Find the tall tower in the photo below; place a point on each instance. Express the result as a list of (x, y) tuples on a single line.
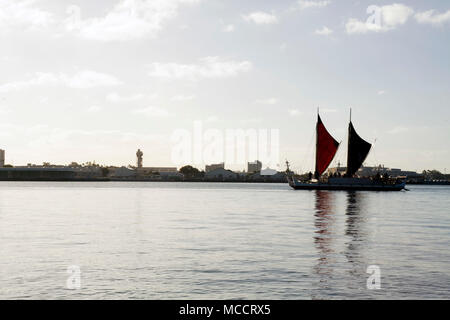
[(139, 155), (2, 158)]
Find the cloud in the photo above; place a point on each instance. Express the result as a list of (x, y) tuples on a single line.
[(381, 92), (81, 80), (128, 19), (395, 14), (183, 98), (430, 17), (313, 4), (90, 79), (324, 31), (114, 97), (228, 28), (294, 112), (152, 112), (22, 14), (385, 18), (260, 17), (267, 101), (209, 67)]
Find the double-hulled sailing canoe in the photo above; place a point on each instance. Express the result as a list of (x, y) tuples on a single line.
[(358, 149)]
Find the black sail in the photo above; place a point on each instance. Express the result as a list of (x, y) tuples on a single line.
[(358, 149)]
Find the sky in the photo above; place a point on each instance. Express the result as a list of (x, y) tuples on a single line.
[(96, 80)]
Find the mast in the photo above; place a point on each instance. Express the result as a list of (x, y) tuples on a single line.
[(316, 172)]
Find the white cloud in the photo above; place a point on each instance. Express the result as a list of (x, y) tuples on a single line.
[(430, 17), (313, 4), (381, 92), (355, 26), (183, 98), (90, 79), (152, 112), (294, 112), (395, 14), (209, 67), (22, 13), (128, 19), (324, 31), (267, 101), (81, 80), (390, 17), (228, 28), (114, 97), (260, 17)]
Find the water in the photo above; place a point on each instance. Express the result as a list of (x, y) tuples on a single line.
[(221, 241)]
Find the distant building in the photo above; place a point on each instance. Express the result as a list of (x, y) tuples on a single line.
[(221, 174), (253, 167), (139, 155), (264, 177), (212, 167), (122, 172), (158, 170), (2, 158), (372, 171), (37, 173)]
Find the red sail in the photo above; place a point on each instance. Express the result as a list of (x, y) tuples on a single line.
[(326, 148)]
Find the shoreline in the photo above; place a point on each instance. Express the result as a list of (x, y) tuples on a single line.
[(183, 181)]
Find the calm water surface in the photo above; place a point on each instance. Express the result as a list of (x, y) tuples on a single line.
[(221, 241)]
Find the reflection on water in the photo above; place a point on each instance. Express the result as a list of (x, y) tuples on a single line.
[(339, 250), (355, 231), (323, 237)]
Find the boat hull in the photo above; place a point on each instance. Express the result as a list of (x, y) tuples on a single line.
[(349, 184)]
